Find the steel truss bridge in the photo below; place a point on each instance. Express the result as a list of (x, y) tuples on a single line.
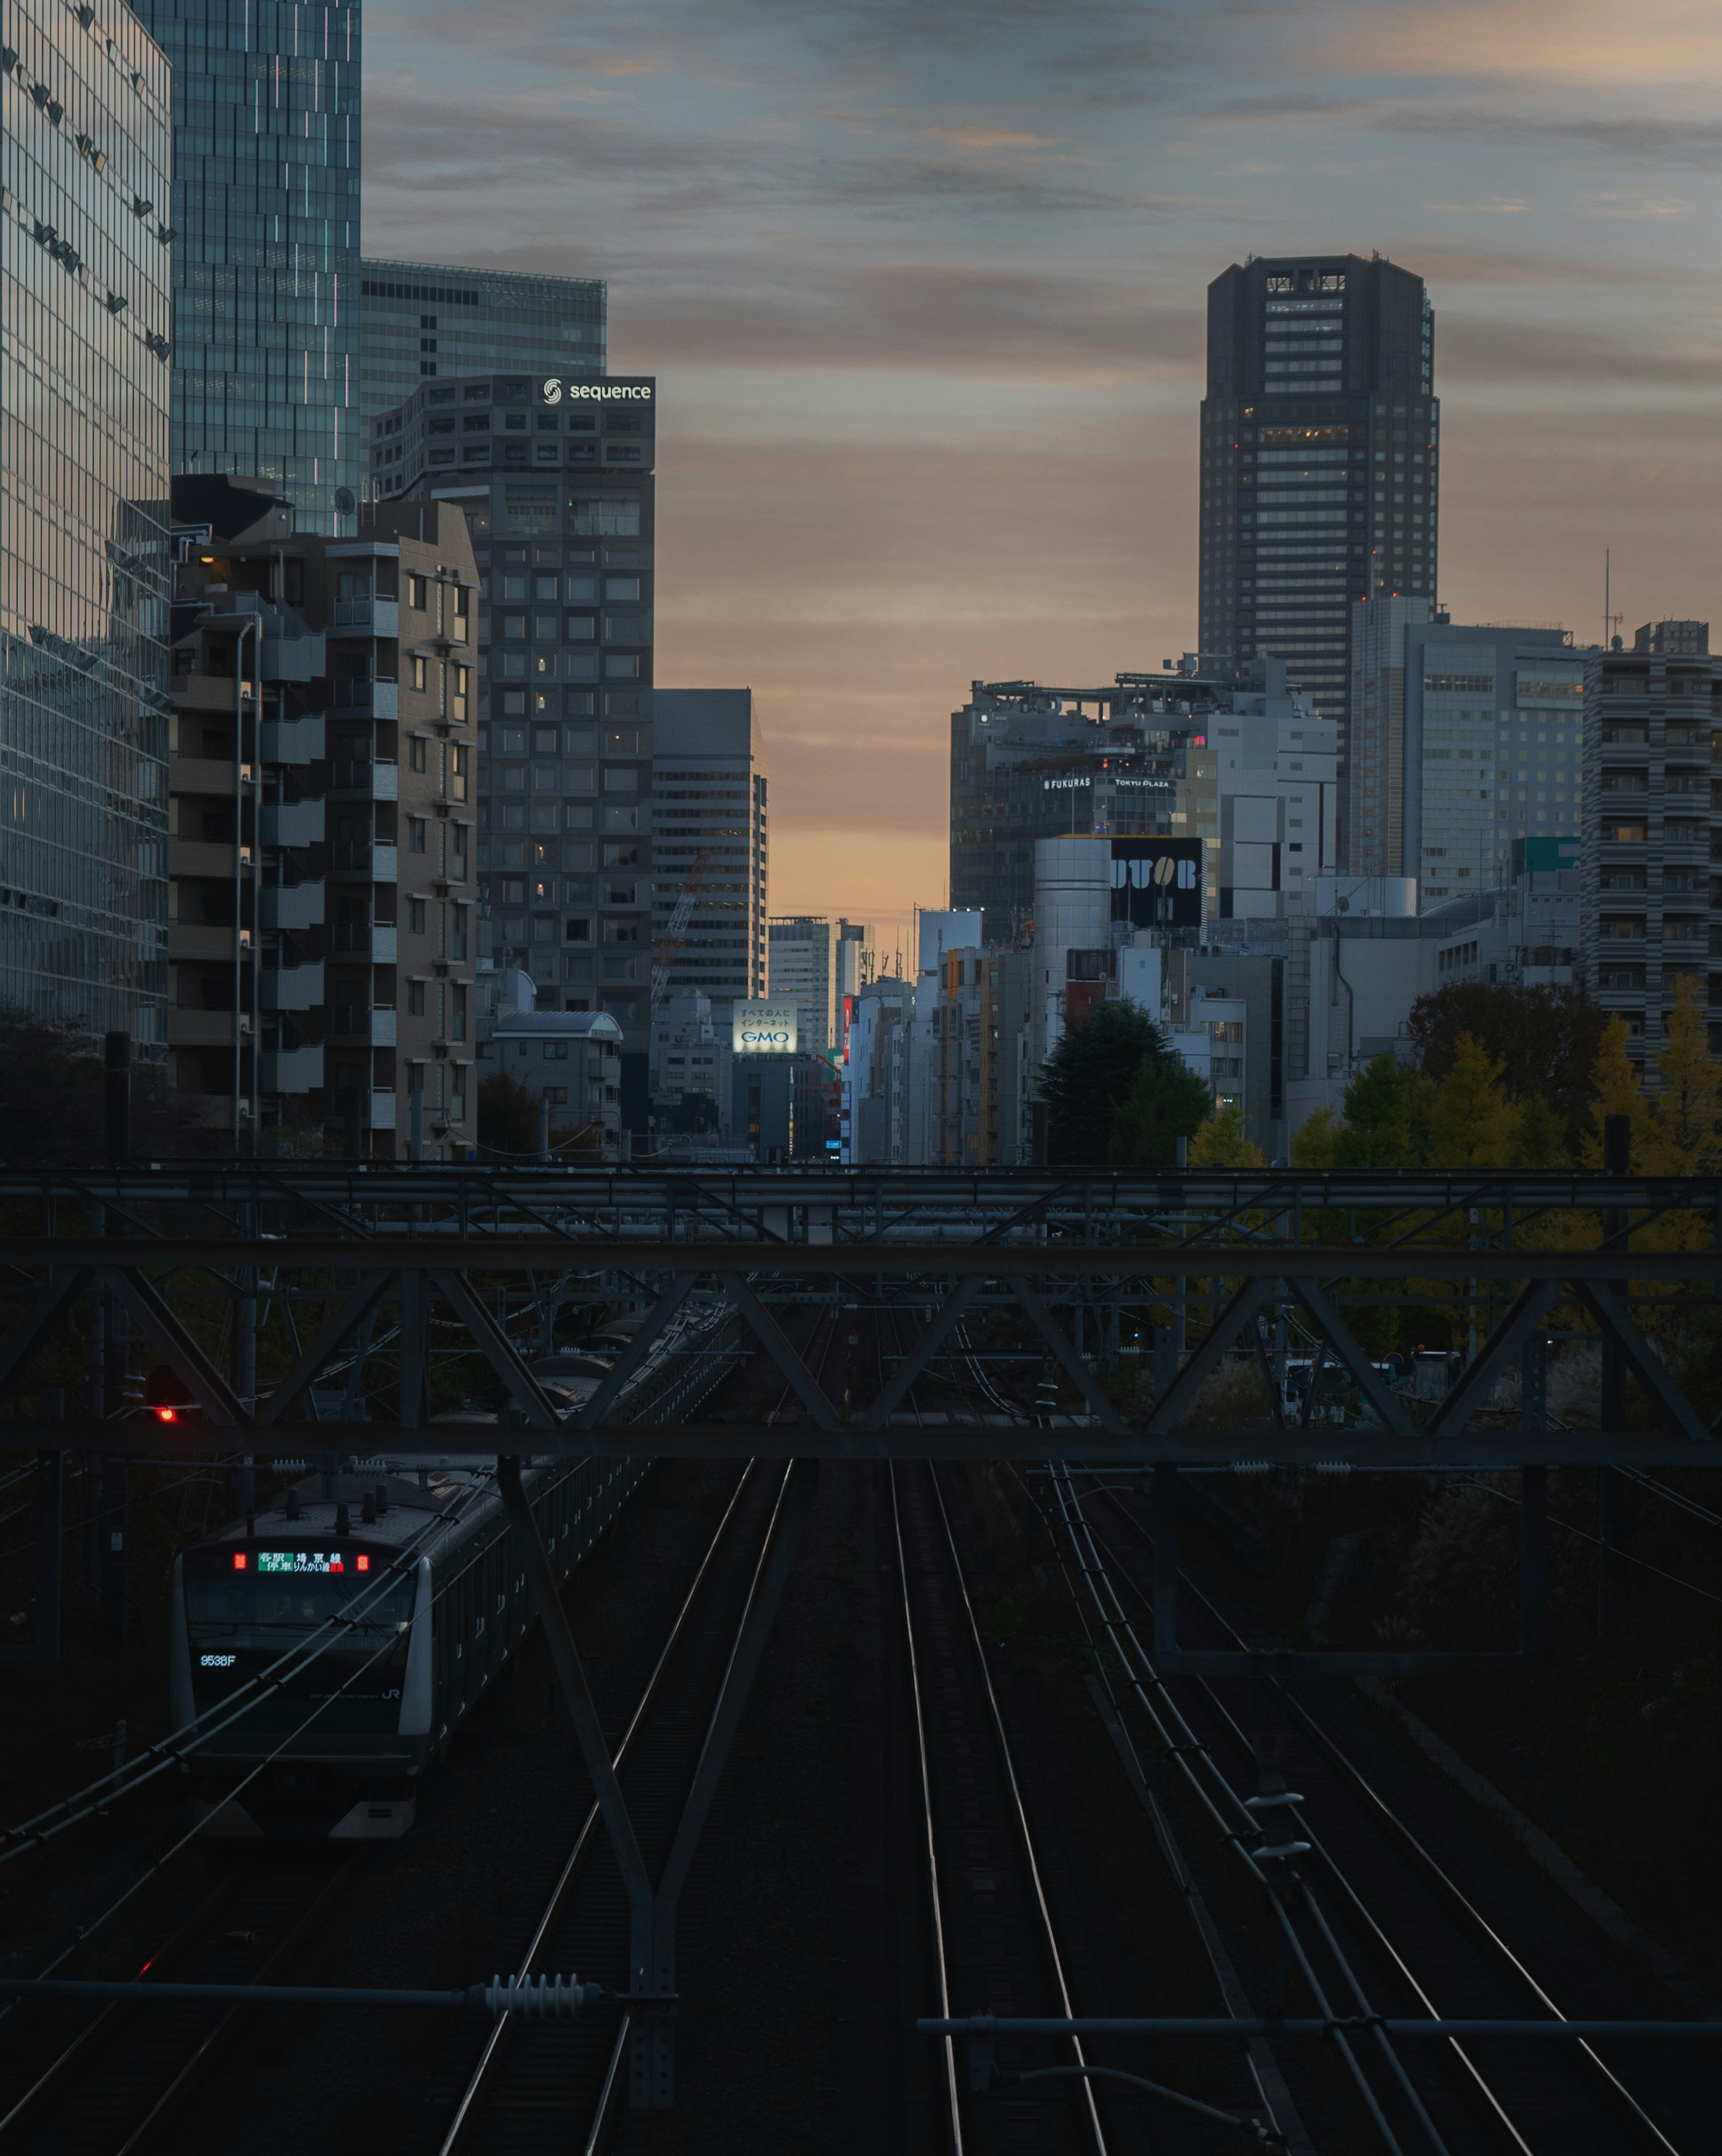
[(325, 1266), (254, 1283)]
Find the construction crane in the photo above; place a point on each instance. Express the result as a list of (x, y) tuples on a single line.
[(669, 942)]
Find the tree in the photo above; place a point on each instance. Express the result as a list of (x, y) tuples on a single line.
[(1472, 1123), (507, 1117), (51, 1101), (1616, 1092), (1545, 1039), (1316, 1140), (1683, 1141), (1379, 1129), (1166, 1101), (1087, 1076), (1221, 1143)]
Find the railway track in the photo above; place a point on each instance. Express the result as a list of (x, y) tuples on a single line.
[(105, 2084), (994, 1946), (1405, 1918), (540, 2087)]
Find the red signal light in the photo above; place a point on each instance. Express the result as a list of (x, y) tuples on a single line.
[(238, 1560), (167, 1414), (364, 1563)]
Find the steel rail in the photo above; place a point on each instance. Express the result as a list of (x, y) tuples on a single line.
[(1335, 1752), (1431, 1864), (464, 2109), (1018, 1810)]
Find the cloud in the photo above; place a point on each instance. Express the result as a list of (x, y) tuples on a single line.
[(432, 149), (1473, 348), (1596, 42), (984, 139)]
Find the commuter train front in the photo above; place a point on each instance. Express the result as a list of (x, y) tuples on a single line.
[(328, 1650)]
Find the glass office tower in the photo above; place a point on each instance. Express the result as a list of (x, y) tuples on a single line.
[(418, 320), (266, 245), (85, 369)]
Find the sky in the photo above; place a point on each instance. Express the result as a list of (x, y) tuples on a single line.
[(923, 288)]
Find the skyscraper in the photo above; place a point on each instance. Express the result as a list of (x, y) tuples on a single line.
[(265, 224), (709, 796), (85, 313), (554, 476), (418, 320), (1320, 435)]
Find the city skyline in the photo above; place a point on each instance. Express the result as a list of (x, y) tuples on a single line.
[(931, 319)]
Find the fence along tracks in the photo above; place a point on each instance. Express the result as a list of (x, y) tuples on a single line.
[(1533, 2098)]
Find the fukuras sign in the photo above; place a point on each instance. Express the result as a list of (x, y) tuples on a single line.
[(765, 1026)]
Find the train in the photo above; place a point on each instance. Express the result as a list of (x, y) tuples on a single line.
[(330, 1648)]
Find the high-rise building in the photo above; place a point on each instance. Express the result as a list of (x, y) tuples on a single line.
[(85, 316), (1465, 742), (1650, 895), (710, 788), (418, 320), (1319, 466), (265, 222), (804, 963), (323, 856), (1229, 762), (857, 959), (554, 474)]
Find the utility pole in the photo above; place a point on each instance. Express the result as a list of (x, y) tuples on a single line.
[(1610, 1492)]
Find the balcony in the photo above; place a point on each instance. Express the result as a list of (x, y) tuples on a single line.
[(293, 741), (360, 858), (359, 778), (293, 987), (293, 905), (380, 698), (384, 1115), (188, 1028), (293, 1070), (351, 1025), (201, 774), (294, 658), (374, 940), (377, 617), (197, 857), (292, 823), (192, 941)]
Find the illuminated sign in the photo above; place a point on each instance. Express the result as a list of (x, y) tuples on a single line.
[(1157, 883), (304, 1561), (1061, 785), (764, 1026), (848, 1005), (596, 393)]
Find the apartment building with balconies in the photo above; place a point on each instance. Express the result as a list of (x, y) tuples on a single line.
[(322, 850), (1650, 867)]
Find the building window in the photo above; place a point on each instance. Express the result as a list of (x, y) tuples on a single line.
[(556, 1051), (609, 515), (415, 747), (415, 916), (415, 1000), (621, 666), (415, 835)]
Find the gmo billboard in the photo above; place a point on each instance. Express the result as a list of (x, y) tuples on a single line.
[(764, 1026)]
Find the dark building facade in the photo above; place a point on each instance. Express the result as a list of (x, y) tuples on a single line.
[(1320, 461), (554, 476), (86, 151), (265, 237), (1650, 866), (418, 320)]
